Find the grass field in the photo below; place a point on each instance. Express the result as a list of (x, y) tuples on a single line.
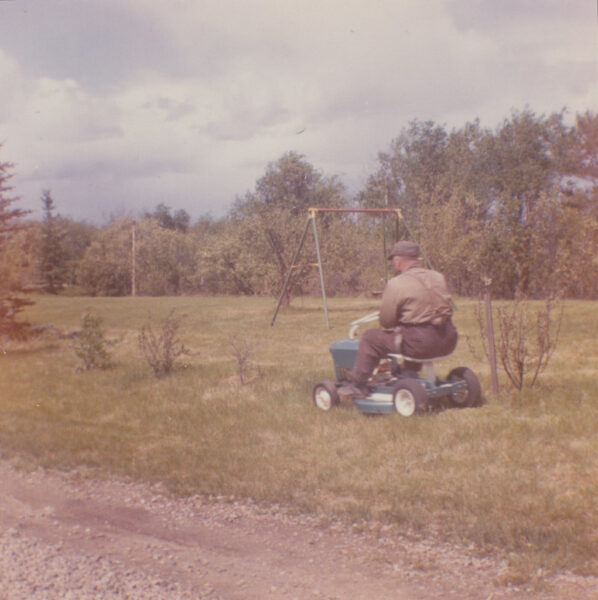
[(518, 476)]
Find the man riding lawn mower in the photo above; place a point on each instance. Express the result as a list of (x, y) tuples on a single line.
[(415, 315)]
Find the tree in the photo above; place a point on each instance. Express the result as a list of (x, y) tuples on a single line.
[(78, 236), (433, 177), (19, 259), (497, 204), (528, 156), (273, 217), (179, 221), (412, 171), (165, 260), (53, 255), (12, 301), (563, 247), (585, 146), (227, 263), (10, 217), (105, 269)]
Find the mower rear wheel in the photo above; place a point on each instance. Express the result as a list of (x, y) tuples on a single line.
[(409, 397), (470, 397), (325, 395)]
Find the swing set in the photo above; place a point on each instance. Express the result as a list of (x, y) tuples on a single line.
[(311, 218)]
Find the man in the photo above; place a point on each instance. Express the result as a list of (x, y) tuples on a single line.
[(416, 316)]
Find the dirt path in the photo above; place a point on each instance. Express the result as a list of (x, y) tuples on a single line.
[(67, 537)]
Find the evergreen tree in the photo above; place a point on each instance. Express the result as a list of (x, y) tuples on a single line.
[(53, 256), (12, 300)]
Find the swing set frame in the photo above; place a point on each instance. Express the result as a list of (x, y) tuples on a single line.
[(311, 218)]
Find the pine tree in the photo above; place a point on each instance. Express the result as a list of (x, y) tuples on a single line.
[(12, 300), (53, 256)]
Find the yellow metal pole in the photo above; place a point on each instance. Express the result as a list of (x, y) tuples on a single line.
[(313, 218)]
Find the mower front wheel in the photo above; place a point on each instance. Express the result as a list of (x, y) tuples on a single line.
[(409, 397), (325, 395)]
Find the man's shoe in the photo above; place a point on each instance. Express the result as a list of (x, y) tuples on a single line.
[(349, 388)]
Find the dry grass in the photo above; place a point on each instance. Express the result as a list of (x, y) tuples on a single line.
[(518, 476)]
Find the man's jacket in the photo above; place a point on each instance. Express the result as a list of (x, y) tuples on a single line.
[(415, 297)]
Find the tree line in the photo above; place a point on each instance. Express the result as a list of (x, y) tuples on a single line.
[(514, 209)]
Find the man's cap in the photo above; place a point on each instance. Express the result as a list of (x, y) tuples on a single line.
[(405, 249)]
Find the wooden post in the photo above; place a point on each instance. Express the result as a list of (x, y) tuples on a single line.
[(490, 336), (133, 260)]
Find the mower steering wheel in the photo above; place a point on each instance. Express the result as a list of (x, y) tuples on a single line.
[(367, 319)]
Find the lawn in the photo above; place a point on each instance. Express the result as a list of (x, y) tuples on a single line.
[(518, 476)]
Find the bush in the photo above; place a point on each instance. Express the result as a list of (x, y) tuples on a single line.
[(91, 346), (243, 350), (528, 334), (162, 349)]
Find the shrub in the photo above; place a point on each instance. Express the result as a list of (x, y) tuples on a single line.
[(528, 334), (163, 348), (91, 346), (243, 350)]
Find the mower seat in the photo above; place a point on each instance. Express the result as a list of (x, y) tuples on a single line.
[(427, 362)]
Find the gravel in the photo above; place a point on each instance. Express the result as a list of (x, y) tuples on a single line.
[(68, 537), (34, 570)]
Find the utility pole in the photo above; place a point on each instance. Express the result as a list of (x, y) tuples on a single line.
[(134, 259)]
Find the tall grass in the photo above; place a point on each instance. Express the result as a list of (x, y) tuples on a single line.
[(518, 476)]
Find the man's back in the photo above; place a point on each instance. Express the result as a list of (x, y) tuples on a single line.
[(415, 296)]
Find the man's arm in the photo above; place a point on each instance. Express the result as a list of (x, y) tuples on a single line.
[(389, 306)]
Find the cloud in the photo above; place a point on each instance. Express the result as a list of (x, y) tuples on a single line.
[(10, 84), (127, 103)]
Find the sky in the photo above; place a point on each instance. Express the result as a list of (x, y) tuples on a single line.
[(116, 106)]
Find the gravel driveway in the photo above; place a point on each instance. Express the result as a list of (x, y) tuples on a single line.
[(69, 537)]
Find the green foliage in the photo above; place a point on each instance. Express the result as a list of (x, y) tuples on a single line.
[(272, 219), (10, 217), (77, 237), (10, 307), (91, 345), (503, 205), (582, 152), (12, 301), (177, 221), (19, 259), (105, 269), (563, 245), (162, 348), (165, 260), (517, 205), (227, 262), (52, 253)]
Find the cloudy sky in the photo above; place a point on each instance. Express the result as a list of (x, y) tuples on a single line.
[(118, 105)]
